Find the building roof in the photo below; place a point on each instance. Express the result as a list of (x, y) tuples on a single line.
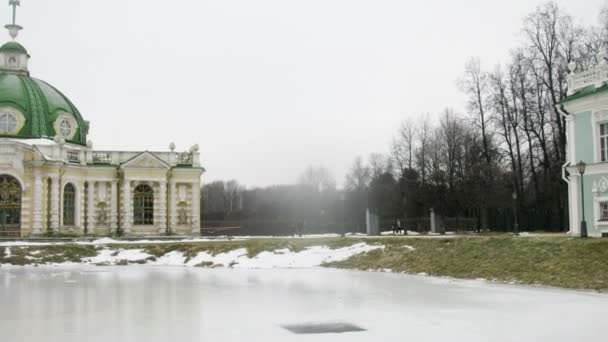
[(13, 47), (38, 101), (584, 92)]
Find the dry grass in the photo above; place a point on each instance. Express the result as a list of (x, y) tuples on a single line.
[(562, 262), (37, 255)]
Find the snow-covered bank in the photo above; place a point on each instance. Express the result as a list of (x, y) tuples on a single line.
[(311, 256), (284, 258)]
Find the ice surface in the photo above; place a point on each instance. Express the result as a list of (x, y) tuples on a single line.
[(141, 303)]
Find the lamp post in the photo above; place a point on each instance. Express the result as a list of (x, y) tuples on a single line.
[(516, 222), (581, 169), (404, 212)]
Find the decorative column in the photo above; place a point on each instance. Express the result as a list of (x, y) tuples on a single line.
[(80, 210), (162, 208), (55, 197), (196, 226), (172, 206), (113, 206), (126, 206), (91, 208), (37, 221)]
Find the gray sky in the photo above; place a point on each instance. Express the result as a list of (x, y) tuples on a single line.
[(265, 87)]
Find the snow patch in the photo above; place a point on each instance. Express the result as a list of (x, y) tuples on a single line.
[(282, 258), (173, 258), (109, 256)]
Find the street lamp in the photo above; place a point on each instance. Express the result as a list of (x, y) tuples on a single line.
[(404, 212), (581, 169), (516, 224), (343, 201)]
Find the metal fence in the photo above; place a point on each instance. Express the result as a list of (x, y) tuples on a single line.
[(279, 227), (496, 220)]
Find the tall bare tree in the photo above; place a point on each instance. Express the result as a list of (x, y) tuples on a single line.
[(474, 83)]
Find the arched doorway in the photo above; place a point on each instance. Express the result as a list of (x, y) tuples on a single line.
[(10, 206)]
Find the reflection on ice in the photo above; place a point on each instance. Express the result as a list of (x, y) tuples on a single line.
[(155, 303)]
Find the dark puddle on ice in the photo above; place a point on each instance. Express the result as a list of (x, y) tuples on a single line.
[(322, 328)]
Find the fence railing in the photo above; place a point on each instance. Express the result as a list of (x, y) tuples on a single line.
[(184, 158), (73, 157), (102, 157), (496, 220), (595, 76)]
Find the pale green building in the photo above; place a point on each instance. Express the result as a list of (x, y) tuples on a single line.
[(585, 110)]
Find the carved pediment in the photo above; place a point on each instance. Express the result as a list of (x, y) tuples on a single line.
[(146, 160)]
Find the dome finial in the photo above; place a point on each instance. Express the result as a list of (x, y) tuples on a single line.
[(13, 29)]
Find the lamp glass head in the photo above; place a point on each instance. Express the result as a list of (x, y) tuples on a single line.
[(581, 167)]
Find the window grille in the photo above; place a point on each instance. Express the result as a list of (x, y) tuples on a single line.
[(10, 206), (603, 211), (143, 205), (69, 205), (8, 123), (65, 128)]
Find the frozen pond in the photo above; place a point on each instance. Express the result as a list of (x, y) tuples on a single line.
[(146, 303)]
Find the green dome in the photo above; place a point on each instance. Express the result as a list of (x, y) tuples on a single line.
[(41, 105), (13, 47)]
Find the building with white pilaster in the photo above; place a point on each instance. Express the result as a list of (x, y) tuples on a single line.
[(585, 111), (53, 182)]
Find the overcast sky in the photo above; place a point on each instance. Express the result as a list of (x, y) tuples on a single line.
[(265, 87)]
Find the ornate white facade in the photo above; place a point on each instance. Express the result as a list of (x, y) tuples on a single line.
[(104, 183), (53, 183)]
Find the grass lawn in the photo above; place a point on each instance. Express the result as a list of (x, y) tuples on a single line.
[(554, 261)]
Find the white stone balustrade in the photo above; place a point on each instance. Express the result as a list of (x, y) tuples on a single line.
[(595, 76), (75, 154)]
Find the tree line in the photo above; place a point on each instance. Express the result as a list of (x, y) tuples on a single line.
[(504, 153)]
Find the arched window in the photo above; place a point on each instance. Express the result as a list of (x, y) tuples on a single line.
[(143, 205), (69, 205), (10, 206)]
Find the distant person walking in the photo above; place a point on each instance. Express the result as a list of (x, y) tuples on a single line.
[(399, 228)]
